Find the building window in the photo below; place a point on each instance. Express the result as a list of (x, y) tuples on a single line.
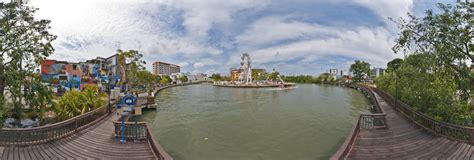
[(74, 67)]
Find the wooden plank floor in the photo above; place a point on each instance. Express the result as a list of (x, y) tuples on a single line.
[(96, 142), (404, 140)]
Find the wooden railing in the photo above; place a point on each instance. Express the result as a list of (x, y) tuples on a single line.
[(137, 131), (375, 120), (345, 148), (44, 134), (372, 121), (452, 131)]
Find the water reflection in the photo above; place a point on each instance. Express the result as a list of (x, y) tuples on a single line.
[(205, 122)]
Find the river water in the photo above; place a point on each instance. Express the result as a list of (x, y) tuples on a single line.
[(203, 122)]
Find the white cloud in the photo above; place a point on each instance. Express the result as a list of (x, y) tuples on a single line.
[(178, 31), (200, 16), (183, 64), (277, 28), (88, 29), (198, 65), (372, 44), (389, 9)]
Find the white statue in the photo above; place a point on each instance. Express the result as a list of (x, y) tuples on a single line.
[(246, 69)]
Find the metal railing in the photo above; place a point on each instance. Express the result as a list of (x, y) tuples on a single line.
[(448, 130), (48, 133), (140, 131)]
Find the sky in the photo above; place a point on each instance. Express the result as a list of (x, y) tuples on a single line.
[(291, 36)]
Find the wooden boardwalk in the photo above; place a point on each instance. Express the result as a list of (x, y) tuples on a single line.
[(404, 140), (95, 142)]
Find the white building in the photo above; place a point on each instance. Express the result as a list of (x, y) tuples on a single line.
[(339, 73), (376, 72), (163, 68)]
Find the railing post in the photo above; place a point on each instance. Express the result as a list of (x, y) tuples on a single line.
[(471, 136), (75, 125)]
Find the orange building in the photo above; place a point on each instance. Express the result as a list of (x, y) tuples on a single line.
[(234, 74)]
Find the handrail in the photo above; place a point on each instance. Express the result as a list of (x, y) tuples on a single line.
[(347, 145), (444, 129), (140, 131), (48, 133), (160, 153), (375, 120)]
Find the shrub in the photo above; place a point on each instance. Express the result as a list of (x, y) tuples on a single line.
[(74, 103)]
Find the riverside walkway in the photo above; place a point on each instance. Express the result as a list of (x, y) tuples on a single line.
[(95, 142), (403, 139)]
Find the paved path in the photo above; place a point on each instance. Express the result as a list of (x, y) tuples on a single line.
[(95, 142), (404, 140)]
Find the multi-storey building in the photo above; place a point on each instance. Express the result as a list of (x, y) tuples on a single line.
[(234, 74), (163, 68), (376, 72), (62, 75)]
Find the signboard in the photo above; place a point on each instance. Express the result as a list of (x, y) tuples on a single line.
[(129, 100)]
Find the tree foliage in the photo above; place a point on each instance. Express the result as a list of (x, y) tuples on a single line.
[(273, 76), (447, 35), (74, 103), (216, 77), (165, 79), (183, 79), (360, 70), (24, 44), (394, 64), (40, 97), (426, 87), (301, 79), (131, 63)]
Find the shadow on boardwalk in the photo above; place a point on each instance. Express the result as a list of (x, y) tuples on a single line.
[(95, 142), (404, 140)]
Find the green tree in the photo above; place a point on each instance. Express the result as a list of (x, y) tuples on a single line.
[(131, 63), (165, 79), (259, 75), (360, 70), (24, 44), (216, 77), (147, 80), (274, 76), (448, 35), (40, 98), (426, 87), (326, 78), (394, 64), (183, 79)]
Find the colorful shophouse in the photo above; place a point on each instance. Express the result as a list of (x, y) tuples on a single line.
[(63, 76)]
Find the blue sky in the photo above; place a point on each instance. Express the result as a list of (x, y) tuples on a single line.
[(294, 37)]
